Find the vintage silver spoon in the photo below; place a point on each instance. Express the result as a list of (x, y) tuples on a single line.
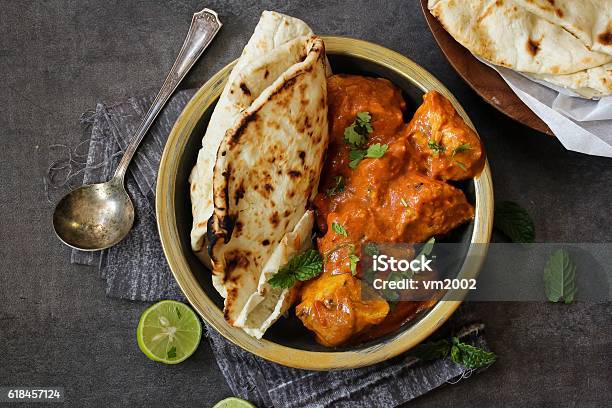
[(98, 216)]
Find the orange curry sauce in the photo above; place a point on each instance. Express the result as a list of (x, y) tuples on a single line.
[(400, 197)]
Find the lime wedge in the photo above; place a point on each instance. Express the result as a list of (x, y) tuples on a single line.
[(233, 402), (168, 332)]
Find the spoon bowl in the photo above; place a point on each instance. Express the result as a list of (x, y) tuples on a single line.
[(98, 216), (95, 216)]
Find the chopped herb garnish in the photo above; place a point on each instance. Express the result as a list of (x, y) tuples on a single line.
[(364, 120), (461, 148), (560, 277), (460, 165), (436, 147), (339, 229), (404, 202), (301, 267), (172, 352), (338, 186), (355, 157), (356, 135), (376, 151)]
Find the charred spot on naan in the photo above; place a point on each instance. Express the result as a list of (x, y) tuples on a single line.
[(533, 47), (605, 38)]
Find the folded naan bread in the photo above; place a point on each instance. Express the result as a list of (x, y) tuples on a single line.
[(259, 167), (266, 173), (590, 83), (506, 34), (269, 39)]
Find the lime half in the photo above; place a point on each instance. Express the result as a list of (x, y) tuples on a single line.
[(168, 332), (233, 402)]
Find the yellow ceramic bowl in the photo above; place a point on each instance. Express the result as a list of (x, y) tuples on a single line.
[(287, 342)]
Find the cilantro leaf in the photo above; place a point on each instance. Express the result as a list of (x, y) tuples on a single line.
[(353, 260), (353, 137), (376, 151), (560, 277), (337, 188), (355, 157), (356, 134), (469, 356), (364, 119), (511, 219), (436, 147), (339, 229), (301, 267), (172, 352)]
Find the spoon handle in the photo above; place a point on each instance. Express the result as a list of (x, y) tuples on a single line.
[(204, 26)]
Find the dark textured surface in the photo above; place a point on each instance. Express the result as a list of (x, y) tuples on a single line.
[(136, 269), (58, 58)]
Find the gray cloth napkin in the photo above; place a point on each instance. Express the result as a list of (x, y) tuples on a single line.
[(136, 269)]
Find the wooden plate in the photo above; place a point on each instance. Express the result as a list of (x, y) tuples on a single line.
[(484, 80)]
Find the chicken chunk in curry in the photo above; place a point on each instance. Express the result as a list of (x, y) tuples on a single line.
[(399, 196)]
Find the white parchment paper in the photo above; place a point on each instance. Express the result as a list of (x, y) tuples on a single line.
[(581, 125)]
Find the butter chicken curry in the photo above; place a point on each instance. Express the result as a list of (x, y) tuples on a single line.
[(384, 180)]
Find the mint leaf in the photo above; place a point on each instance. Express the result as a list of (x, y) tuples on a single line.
[(511, 219), (283, 279), (301, 267), (469, 356), (376, 151), (337, 188), (560, 277), (432, 350), (339, 229), (172, 352), (461, 353)]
